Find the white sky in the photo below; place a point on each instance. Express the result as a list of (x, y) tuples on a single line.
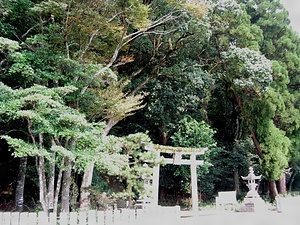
[(293, 6)]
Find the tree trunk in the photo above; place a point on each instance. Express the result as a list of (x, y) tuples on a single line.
[(84, 201), (163, 136), (42, 182), (281, 184), (272, 189), (40, 161), (51, 179), (256, 144), (236, 179), (58, 185), (19, 196), (65, 190), (85, 184), (291, 181), (66, 181)]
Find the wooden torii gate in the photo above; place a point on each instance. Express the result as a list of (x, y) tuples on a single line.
[(176, 159)]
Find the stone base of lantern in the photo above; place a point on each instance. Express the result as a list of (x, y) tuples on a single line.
[(253, 205)]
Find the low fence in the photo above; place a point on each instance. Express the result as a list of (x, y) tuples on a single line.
[(92, 217)]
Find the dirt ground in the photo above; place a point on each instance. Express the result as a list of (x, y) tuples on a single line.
[(289, 215)]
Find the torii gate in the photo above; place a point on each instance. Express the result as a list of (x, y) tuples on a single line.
[(177, 153)]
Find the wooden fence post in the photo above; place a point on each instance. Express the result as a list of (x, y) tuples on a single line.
[(117, 217), (43, 218), (73, 218), (6, 218), (132, 214), (52, 219), (64, 218), (32, 218), (24, 218), (100, 218), (92, 217), (82, 217), (14, 220), (108, 218)]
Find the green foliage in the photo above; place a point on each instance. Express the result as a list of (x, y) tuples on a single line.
[(250, 69), (138, 14), (275, 148), (129, 163), (186, 86), (113, 103), (8, 46), (21, 148), (12, 14), (46, 114), (280, 44), (192, 133), (232, 25)]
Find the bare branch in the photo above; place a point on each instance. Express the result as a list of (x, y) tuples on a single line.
[(138, 71), (141, 85), (111, 19), (89, 43), (30, 29), (67, 50), (3, 61)]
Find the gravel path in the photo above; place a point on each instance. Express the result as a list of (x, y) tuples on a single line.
[(290, 215)]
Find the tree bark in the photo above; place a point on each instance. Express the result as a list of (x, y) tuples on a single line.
[(19, 195), (290, 183), (66, 181), (51, 180), (256, 144), (65, 189), (58, 185), (40, 161), (236, 179), (164, 138), (281, 184), (86, 183), (42, 182), (273, 189)]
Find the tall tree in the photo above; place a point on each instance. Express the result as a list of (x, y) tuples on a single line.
[(280, 44)]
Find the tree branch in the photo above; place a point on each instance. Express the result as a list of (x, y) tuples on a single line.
[(126, 39), (88, 44)]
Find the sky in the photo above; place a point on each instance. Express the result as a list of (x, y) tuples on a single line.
[(293, 6)]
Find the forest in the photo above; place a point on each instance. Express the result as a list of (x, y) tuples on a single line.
[(85, 85)]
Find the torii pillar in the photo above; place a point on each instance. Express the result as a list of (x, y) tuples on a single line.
[(194, 182), (155, 183), (177, 160)]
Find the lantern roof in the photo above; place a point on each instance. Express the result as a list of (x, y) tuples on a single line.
[(251, 175)]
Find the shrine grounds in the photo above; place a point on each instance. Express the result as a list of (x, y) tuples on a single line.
[(289, 215)]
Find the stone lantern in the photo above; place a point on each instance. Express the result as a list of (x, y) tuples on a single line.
[(252, 201), (252, 185)]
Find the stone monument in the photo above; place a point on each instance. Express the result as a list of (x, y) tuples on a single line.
[(252, 202)]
